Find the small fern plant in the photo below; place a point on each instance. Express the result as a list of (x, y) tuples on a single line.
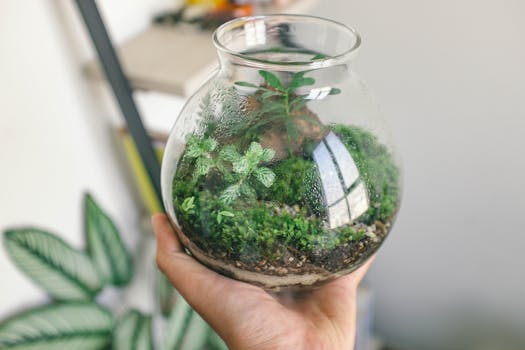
[(237, 170)]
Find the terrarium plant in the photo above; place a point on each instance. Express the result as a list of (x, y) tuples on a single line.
[(274, 179)]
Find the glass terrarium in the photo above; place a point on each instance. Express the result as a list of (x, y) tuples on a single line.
[(279, 171)]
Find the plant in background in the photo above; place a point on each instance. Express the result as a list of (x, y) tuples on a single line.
[(73, 278)]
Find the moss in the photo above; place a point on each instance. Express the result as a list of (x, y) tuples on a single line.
[(251, 229), (377, 168), (290, 185)]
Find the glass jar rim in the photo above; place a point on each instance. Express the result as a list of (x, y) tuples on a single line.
[(315, 63)]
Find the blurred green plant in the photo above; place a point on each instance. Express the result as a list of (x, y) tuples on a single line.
[(73, 278)]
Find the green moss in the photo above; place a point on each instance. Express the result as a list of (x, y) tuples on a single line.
[(377, 168), (289, 187), (263, 226)]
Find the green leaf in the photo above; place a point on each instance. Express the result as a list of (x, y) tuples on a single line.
[(271, 79), (229, 153), (265, 176), (255, 150), (215, 342), (209, 144), (203, 166), (247, 191), (334, 91), (267, 155), (319, 56), (230, 193), (105, 246), (222, 214), (246, 84), (300, 81), (193, 149), (242, 166), (268, 94), (133, 332), (195, 334), (188, 204), (177, 324), (67, 326), (65, 273)]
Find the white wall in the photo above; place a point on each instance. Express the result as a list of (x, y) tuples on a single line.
[(450, 78), (55, 133)]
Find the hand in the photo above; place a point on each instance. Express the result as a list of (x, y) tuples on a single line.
[(249, 318)]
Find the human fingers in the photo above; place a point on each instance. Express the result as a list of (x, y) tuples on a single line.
[(216, 298)]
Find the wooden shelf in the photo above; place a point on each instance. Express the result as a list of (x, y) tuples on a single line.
[(174, 60)]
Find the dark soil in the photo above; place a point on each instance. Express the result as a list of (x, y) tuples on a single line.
[(295, 262)]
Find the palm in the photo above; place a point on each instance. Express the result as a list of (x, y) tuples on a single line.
[(247, 317)]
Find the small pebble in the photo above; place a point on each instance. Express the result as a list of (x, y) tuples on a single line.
[(281, 271), (290, 259)]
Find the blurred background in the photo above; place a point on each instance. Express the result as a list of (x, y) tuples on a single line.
[(449, 76)]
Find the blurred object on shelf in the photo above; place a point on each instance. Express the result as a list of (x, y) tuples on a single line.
[(209, 14), (176, 59)]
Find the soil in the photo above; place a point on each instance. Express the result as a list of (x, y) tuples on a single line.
[(338, 259)]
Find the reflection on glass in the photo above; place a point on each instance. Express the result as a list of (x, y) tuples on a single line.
[(344, 195)]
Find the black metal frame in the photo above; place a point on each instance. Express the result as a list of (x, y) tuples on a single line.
[(121, 89)]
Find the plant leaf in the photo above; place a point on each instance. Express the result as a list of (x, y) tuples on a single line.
[(230, 193), (215, 342), (247, 191), (268, 94), (193, 149), (319, 56), (271, 79), (246, 84), (105, 246), (267, 155), (78, 326), (255, 150), (209, 144), (299, 81), (181, 313), (229, 153), (265, 176), (195, 333), (203, 166), (242, 166), (133, 332), (334, 91), (65, 273)]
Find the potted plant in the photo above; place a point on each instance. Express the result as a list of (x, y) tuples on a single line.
[(278, 171)]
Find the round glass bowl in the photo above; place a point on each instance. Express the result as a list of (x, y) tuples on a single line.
[(279, 171)]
